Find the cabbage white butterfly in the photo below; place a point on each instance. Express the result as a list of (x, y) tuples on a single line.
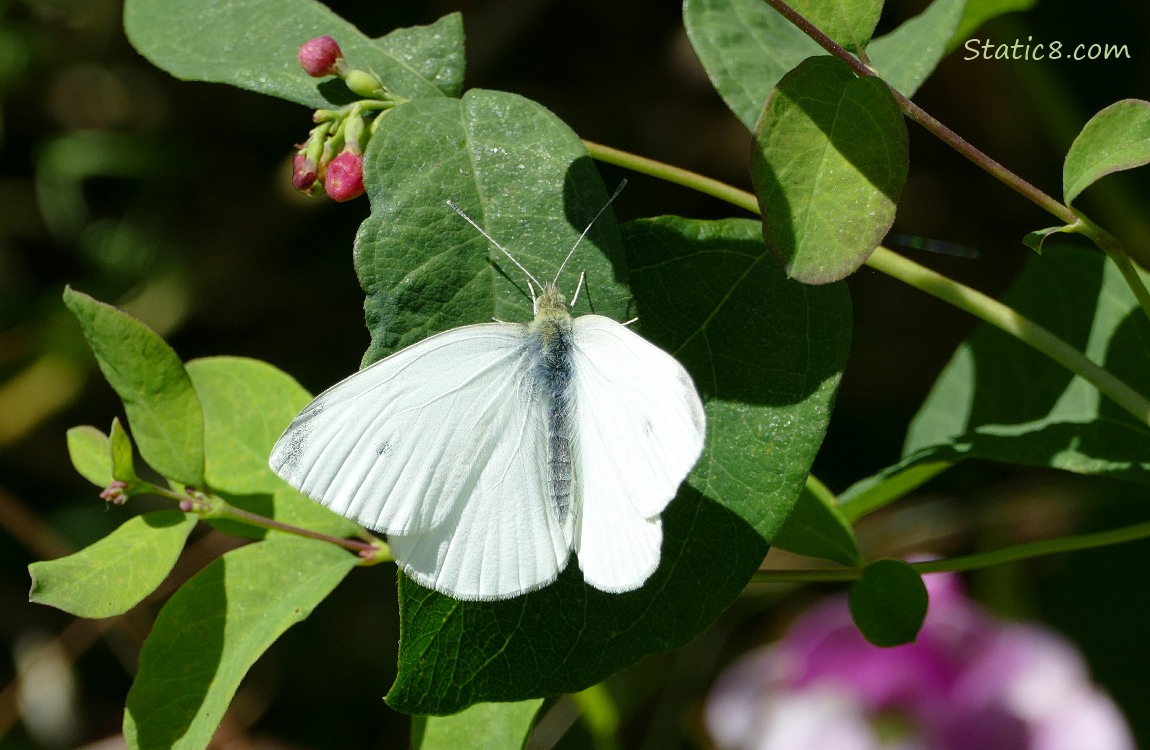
[(489, 453)]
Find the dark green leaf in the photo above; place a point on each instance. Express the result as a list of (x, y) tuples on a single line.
[(115, 574), (999, 399), (816, 528), (213, 629), (247, 405), (1115, 139), (158, 397), (767, 354), (91, 454), (253, 44), (492, 726), (907, 56), (828, 162), (889, 603)]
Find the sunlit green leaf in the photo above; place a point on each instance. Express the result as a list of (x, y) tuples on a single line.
[(213, 629), (849, 22), (1115, 139), (829, 145), (91, 454), (492, 726), (163, 412), (253, 44), (907, 56), (116, 573)]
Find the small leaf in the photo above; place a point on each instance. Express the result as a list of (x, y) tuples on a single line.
[(116, 573), (158, 397), (91, 454), (213, 629), (123, 467), (1115, 139), (1036, 239), (889, 603), (828, 162), (907, 56), (252, 44), (492, 726), (816, 528)]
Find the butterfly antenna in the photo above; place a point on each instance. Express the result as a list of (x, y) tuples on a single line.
[(493, 241), (590, 224)]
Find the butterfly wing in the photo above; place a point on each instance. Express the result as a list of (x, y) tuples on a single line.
[(439, 446), (639, 427)]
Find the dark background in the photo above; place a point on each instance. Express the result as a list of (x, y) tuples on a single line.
[(174, 198)]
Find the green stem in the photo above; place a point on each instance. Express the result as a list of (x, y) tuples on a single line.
[(372, 550), (600, 714), (974, 562), (946, 289)]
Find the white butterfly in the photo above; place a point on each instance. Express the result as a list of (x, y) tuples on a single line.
[(488, 453)]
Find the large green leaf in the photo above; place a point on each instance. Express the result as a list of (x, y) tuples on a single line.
[(767, 354), (492, 726), (746, 47), (158, 396), (247, 405), (214, 628), (115, 574), (828, 161), (252, 44), (999, 399), (1116, 138)]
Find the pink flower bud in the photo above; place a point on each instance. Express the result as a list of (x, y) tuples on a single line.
[(321, 57), (344, 178), (304, 172)]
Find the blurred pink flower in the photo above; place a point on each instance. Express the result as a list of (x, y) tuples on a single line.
[(967, 682)]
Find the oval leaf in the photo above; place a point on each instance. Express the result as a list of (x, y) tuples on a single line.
[(213, 629), (767, 354), (889, 603), (1115, 139), (115, 574), (828, 162), (492, 726), (91, 454), (253, 44), (158, 396)]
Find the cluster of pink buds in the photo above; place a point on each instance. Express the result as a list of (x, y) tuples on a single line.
[(332, 156)]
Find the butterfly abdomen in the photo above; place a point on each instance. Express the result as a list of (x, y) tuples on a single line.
[(552, 334)]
